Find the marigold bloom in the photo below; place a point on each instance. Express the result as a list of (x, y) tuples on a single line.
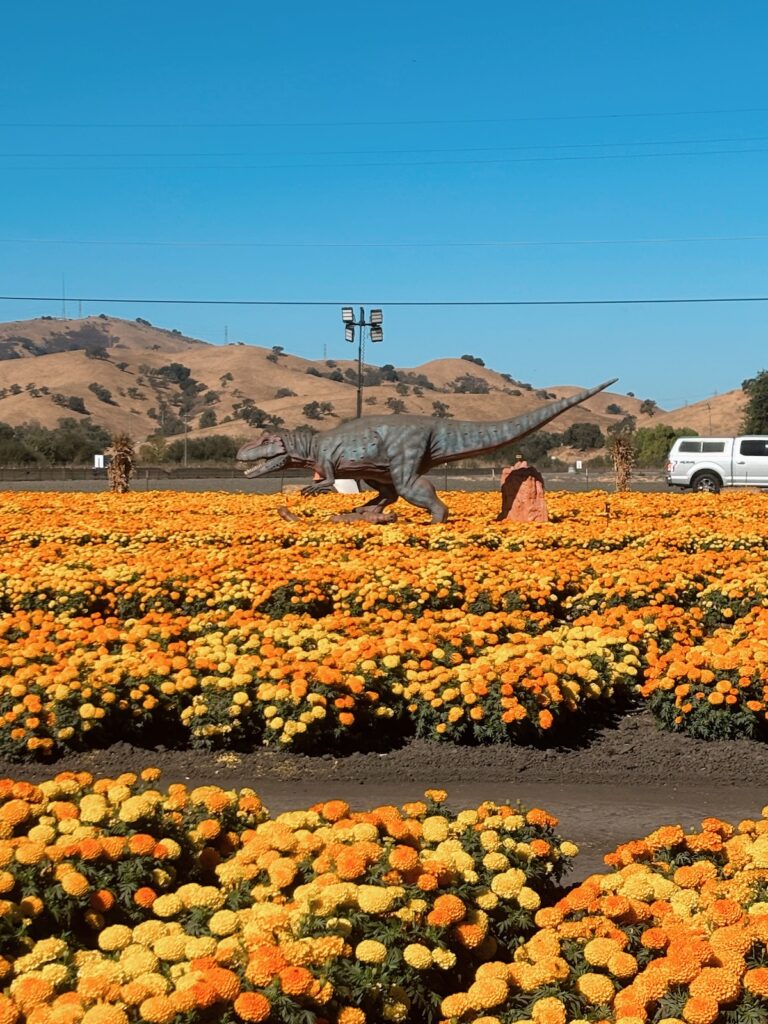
[(252, 1006)]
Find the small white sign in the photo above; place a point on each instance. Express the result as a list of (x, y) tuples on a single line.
[(98, 462), (578, 463)]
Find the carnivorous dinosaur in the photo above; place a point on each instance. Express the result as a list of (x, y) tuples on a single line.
[(393, 454)]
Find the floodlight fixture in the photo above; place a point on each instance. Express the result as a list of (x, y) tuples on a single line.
[(375, 333)]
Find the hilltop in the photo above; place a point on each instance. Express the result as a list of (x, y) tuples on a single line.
[(131, 376)]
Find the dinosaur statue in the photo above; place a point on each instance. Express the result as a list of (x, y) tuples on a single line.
[(393, 454)]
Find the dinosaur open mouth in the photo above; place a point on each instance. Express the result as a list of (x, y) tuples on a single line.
[(262, 466)]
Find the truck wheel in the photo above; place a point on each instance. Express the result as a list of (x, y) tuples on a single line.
[(708, 482)]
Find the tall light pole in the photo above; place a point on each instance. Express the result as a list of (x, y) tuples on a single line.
[(374, 325)]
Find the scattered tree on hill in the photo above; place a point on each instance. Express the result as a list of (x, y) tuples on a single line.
[(73, 402), (207, 418), (441, 411), (614, 410), (474, 359), (471, 385), (626, 425), (122, 456), (285, 393), (254, 416), (395, 405), (317, 410), (102, 393), (648, 407), (756, 408)]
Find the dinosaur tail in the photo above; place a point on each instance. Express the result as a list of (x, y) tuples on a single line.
[(488, 436)]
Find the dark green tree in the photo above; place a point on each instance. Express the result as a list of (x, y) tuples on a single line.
[(756, 408), (652, 444), (583, 436)]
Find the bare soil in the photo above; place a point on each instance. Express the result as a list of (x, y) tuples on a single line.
[(622, 782)]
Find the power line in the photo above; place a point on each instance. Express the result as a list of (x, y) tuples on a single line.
[(489, 243), (417, 151), (380, 123), (379, 302), (98, 168)]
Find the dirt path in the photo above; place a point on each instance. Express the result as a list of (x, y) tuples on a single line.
[(627, 780)]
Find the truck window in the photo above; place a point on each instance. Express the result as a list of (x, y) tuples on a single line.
[(753, 446), (713, 446), (690, 446)]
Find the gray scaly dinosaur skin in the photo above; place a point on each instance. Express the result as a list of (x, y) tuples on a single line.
[(394, 453)]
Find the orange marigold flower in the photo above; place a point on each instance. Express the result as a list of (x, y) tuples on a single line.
[(144, 897), (295, 981), (334, 810), (103, 1013), (725, 911), (74, 884), (448, 909), (252, 1006), (350, 1015), (701, 1010), (157, 1010), (101, 900), (756, 982)]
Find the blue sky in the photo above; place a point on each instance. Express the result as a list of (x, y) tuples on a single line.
[(290, 146)]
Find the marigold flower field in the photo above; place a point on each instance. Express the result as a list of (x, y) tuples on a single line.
[(207, 621), (204, 620), (123, 900)]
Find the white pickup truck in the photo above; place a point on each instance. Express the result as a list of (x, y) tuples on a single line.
[(709, 463)]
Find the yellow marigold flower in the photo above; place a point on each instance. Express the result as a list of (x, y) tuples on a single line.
[(596, 988), (528, 898), (508, 884), (418, 956), (369, 951), (117, 936), (487, 993), (434, 829), (495, 862), (374, 899), (167, 905), (445, 959), (548, 1011), (437, 796), (74, 884), (103, 1013), (223, 922), (599, 951), (157, 1010), (568, 849), (147, 932)]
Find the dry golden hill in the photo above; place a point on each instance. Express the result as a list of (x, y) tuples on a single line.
[(131, 376)]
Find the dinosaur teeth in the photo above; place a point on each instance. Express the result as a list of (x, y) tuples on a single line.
[(256, 468)]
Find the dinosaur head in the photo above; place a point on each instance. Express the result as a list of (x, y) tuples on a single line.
[(268, 452)]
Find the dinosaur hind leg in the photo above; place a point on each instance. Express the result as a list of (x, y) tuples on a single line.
[(420, 492), (385, 495)]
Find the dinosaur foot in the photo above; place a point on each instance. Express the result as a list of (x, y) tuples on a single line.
[(365, 515)]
